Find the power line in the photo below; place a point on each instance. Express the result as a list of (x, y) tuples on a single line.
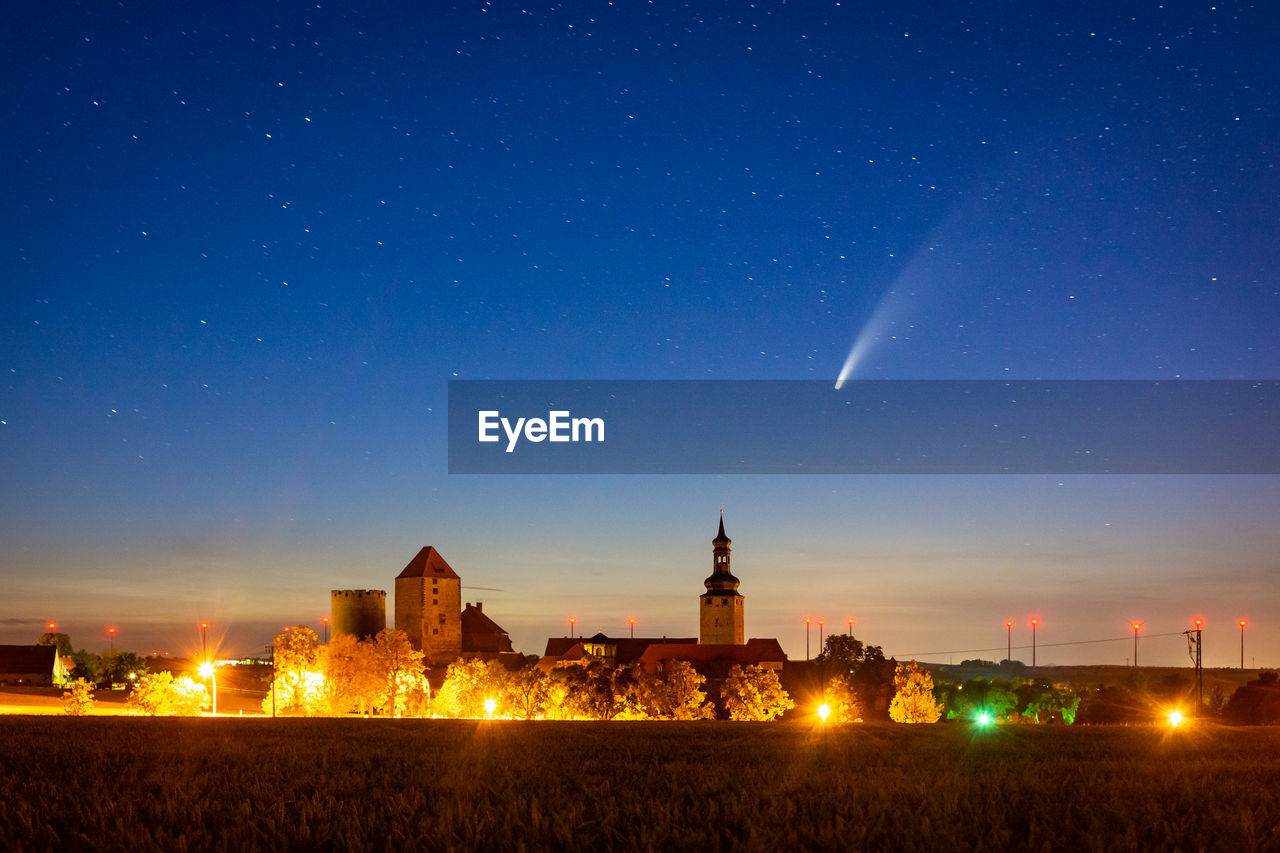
[(1037, 645)]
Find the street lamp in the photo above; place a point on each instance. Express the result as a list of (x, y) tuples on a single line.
[(632, 622), (1135, 626), (822, 635), (204, 640), (325, 620), (209, 671), (111, 635), (1008, 638), (851, 621), (52, 625), (1034, 623), (572, 620), (807, 620), (1242, 624)]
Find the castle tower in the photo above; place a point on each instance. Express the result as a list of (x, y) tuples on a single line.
[(721, 606), (361, 613), (429, 605)]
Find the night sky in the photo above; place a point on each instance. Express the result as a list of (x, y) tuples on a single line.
[(244, 251)]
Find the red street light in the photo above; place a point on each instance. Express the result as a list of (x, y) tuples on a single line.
[(807, 620), (1135, 626), (1034, 623), (851, 621), (572, 620), (325, 620), (632, 621), (1008, 638), (52, 625), (1242, 624)]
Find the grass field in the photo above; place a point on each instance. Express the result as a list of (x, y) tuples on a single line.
[(103, 783)]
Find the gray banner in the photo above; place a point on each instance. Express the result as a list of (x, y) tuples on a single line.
[(866, 427)]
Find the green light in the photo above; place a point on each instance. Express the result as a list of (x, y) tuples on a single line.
[(984, 719)]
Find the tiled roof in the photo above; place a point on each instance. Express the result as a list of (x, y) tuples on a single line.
[(428, 564)]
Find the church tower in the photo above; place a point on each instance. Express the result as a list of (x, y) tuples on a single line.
[(721, 606)]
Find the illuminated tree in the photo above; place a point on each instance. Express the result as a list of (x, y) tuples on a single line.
[(678, 694), (842, 698), (298, 687), (79, 700), (914, 701), (601, 692), (467, 684), (399, 665), (754, 694), (159, 694), (351, 677)]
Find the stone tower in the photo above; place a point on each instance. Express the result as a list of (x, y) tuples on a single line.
[(721, 606), (362, 613), (429, 606)]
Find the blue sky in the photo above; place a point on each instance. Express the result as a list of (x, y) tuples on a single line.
[(244, 254)]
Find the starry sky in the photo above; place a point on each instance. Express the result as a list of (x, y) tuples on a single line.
[(245, 247)]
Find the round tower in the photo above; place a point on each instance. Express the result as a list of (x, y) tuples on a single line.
[(361, 613)]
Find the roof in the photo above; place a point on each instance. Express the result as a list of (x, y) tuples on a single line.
[(627, 649), (24, 660), (754, 651), (720, 537), (428, 564), (482, 634)]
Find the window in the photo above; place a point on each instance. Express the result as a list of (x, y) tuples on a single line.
[(435, 601), (435, 630)]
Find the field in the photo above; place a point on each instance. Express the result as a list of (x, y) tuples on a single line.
[(103, 783)]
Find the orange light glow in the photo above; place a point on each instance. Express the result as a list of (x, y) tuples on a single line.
[(1009, 624), (1242, 623), (824, 711), (111, 629)]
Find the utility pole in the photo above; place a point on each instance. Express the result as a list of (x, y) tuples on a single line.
[(1193, 649)]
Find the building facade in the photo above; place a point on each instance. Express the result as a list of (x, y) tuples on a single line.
[(429, 606)]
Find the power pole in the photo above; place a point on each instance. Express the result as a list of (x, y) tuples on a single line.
[(1193, 649)]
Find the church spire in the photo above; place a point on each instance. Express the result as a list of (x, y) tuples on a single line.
[(721, 580)]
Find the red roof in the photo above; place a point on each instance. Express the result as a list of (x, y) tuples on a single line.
[(482, 634), (716, 658), (628, 649), (428, 564)]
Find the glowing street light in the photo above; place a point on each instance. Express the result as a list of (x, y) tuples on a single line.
[(807, 620), (209, 671), (490, 705), (632, 622), (824, 711), (204, 640), (1242, 624), (52, 626), (111, 635), (822, 634), (572, 621), (1034, 623), (1008, 638), (1135, 626), (1175, 718), (851, 621), (325, 620), (984, 719)]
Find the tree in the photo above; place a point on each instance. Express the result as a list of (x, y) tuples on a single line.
[(159, 694), (62, 641), (400, 666), (298, 687), (122, 667), (529, 690), (842, 699), (468, 684), (754, 694), (87, 666), (913, 702), (1256, 703), (351, 677), (677, 694), (79, 700), (846, 652)]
